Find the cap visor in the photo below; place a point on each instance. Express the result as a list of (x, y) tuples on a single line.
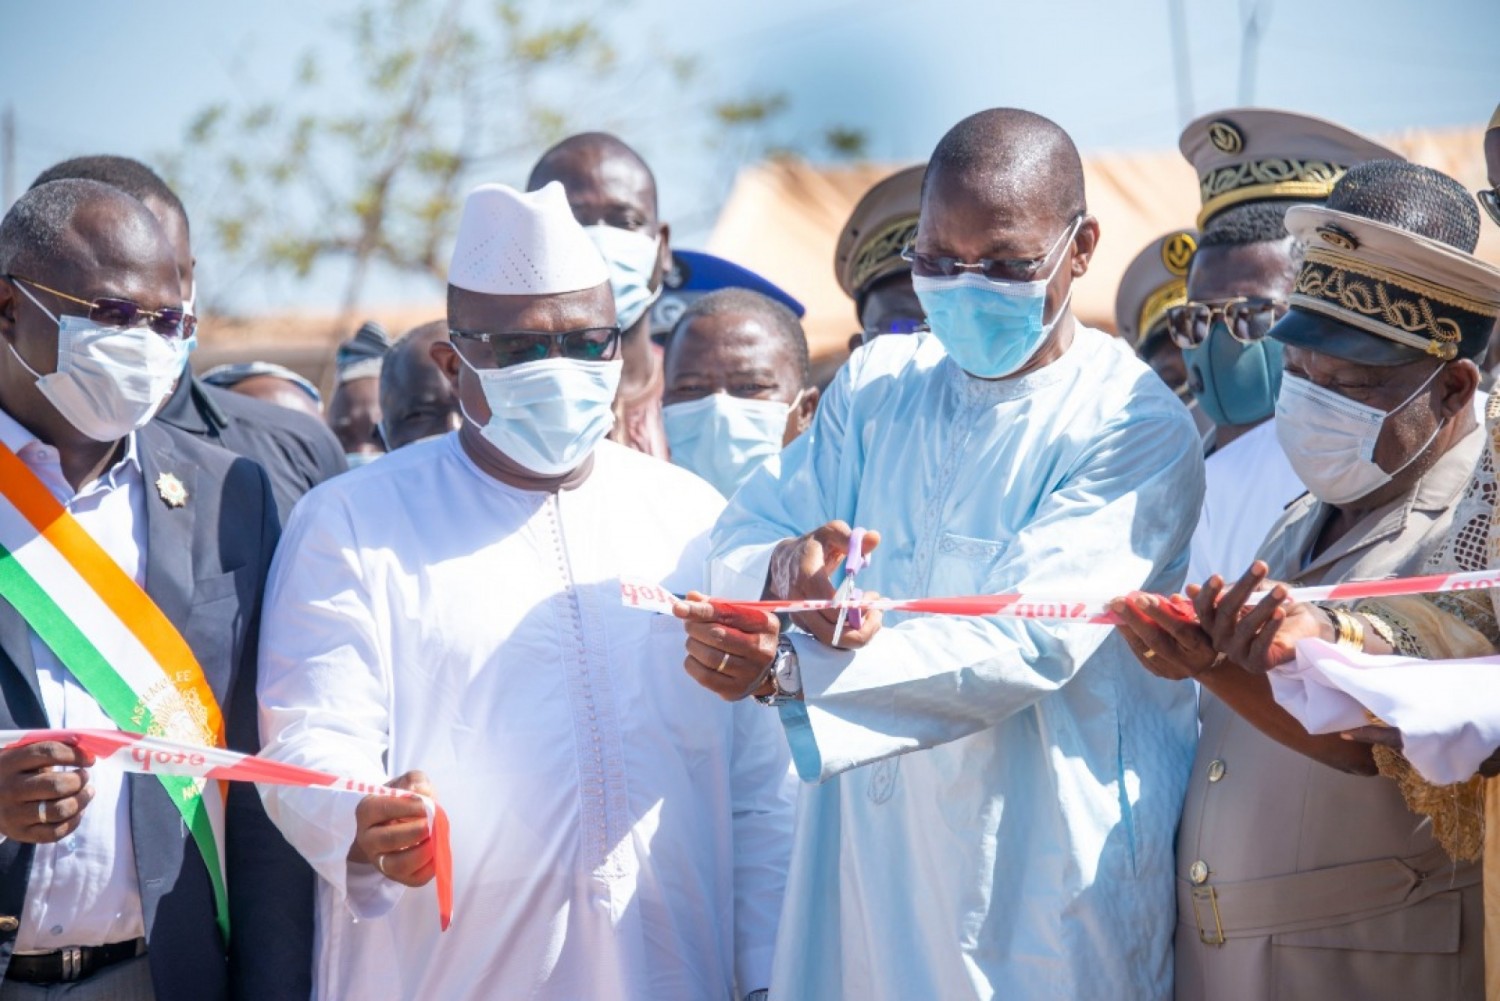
[(1311, 332)]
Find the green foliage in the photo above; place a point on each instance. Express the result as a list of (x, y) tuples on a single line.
[(447, 92), (847, 143), (751, 110)]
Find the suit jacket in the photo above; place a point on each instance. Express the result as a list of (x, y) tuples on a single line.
[(206, 565), (297, 451)]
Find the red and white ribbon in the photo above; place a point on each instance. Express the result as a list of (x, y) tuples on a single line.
[(655, 598), (134, 752)]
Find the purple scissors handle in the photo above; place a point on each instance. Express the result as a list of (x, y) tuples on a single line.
[(853, 564)]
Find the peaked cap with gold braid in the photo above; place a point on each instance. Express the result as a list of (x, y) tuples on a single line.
[(1257, 154), (1153, 283), (881, 225)]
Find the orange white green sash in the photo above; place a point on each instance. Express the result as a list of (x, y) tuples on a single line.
[(119, 646)]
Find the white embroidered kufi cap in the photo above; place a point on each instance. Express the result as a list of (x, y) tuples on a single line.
[(523, 243)]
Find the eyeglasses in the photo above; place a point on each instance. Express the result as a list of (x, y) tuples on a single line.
[(1248, 319), (172, 323), (1491, 202), (516, 347), (996, 270)]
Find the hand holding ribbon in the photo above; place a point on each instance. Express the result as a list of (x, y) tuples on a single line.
[(431, 858), (44, 789), (391, 833), (729, 649)]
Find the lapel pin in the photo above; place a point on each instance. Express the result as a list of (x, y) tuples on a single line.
[(171, 490)]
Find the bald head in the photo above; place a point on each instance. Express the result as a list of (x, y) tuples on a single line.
[(606, 181), (780, 341), (64, 227), (1004, 187), (1010, 155), (146, 186), (416, 399)]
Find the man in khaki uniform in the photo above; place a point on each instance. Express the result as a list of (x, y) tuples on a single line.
[(1298, 875)]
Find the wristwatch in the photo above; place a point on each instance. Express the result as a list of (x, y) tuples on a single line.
[(759, 995), (785, 675)]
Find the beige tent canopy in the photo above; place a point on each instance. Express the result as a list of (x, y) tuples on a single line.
[(783, 218)]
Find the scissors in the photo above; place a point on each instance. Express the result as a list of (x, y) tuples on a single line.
[(847, 592)]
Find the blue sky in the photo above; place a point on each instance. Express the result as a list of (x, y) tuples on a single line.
[(902, 71)]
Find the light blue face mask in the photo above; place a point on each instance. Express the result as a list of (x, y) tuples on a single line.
[(991, 328), (723, 438), (632, 260)]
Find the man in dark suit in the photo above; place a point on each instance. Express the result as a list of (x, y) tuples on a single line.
[(297, 451), (102, 889)]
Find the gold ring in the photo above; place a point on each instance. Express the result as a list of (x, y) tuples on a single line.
[(41, 811), (1150, 654), (380, 864), (723, 663)]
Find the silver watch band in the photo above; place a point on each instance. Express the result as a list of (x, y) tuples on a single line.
[(785, 675)]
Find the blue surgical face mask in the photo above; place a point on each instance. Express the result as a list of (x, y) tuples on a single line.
[(1234, 383), (991, 329), (631, 257), (547, 415), (723, 438)]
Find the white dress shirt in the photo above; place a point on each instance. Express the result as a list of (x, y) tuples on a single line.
[(618, 831), (1248, 484), (82, 889)]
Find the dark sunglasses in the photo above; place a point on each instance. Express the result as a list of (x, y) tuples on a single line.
[(996, 270), (172, 323), (1248, 319), (1491, 202), (517, 347)]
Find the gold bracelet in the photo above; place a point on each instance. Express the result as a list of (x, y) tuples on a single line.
[(1380, 627), (1351, 631)]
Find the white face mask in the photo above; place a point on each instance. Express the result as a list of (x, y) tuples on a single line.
[(631, 257), (109, 380), (723, 438), (548, 415), (1330, 439)]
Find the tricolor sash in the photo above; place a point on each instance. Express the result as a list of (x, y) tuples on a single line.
[(120, 647)]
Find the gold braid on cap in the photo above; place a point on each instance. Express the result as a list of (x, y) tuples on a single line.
[(1154, 309), (877, 253), (1245, 182), (1399, 307)]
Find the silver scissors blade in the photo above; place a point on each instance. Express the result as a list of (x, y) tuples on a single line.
[(842, 596)]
